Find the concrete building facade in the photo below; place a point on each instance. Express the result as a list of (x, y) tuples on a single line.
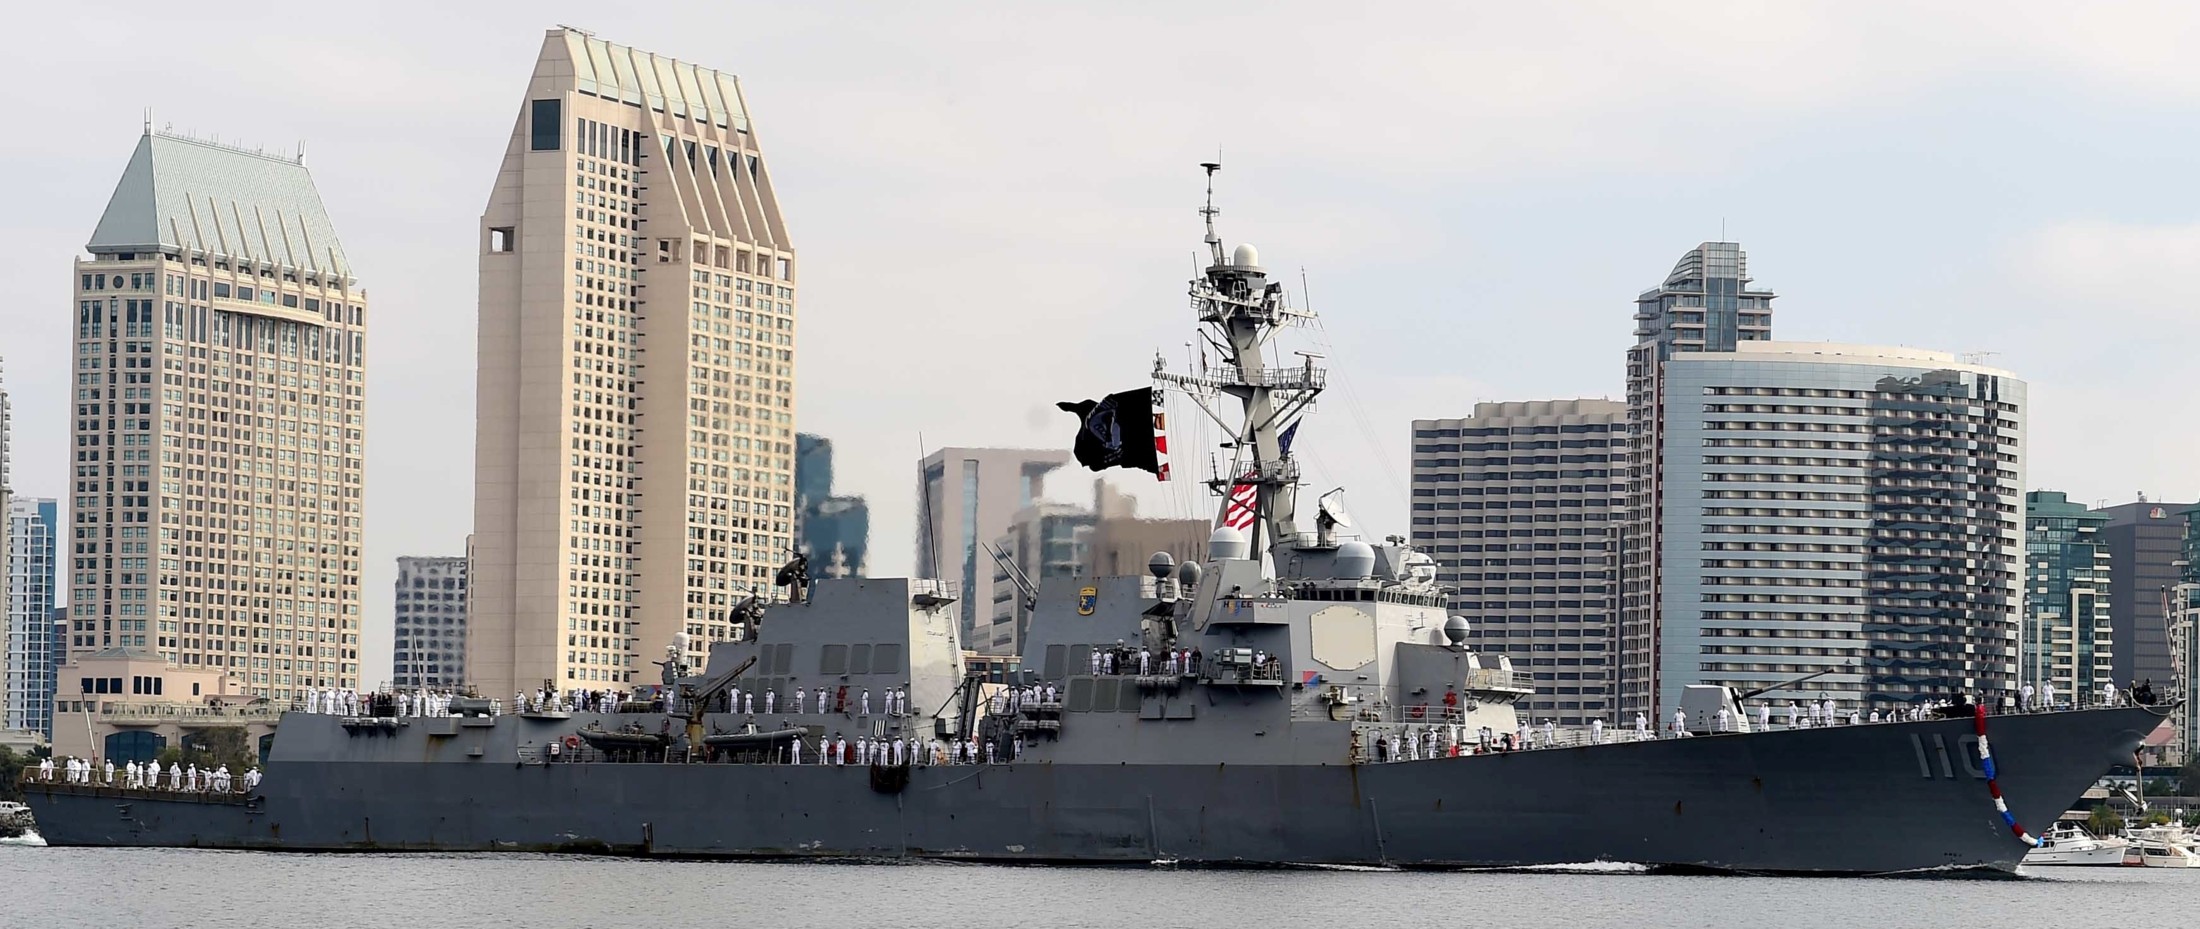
[(430, 623), (2145, 540), (219, 423), (1519, 505), (967, 497), (26, 672), (1706, 304), (126, 703), (2068, 636), (635, 393), (1847, 508)]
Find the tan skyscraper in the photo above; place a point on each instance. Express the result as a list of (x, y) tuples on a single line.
[(635, 409), (220, 417)]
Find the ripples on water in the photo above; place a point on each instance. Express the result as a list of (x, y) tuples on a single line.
[(68, 888)]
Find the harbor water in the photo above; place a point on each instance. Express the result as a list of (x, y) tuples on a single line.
[(70, 888)]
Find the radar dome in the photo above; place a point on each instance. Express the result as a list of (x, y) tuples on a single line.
[(1455, 629), (1160, 565), (1246, 256), (680, 641), (1187, 575), (1355, 560), (1227, 544)]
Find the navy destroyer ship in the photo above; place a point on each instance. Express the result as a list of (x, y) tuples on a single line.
[(1297, 697)]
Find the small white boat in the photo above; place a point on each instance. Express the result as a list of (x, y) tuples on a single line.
[(2162, 847), (2068, 843)]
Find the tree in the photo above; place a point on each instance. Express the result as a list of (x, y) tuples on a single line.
[(2105, 821), (11, 773), (2156, 818)]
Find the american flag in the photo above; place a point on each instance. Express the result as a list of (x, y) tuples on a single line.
[(1239, 514)]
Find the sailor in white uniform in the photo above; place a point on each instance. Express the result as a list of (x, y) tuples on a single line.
[(1791, 714), (1719, 721), (748, 703), (798, 692), (821, 701), (794, 748), (1642, 725), (1764, 717), (1680, 724), (1145, 661), (1096, 659), (110, 772), (2047, 694), (770, 697), (866, 702)]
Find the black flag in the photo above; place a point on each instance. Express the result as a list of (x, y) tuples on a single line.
[(1117, 431)]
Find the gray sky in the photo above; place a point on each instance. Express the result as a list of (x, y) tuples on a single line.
[(995, 204)]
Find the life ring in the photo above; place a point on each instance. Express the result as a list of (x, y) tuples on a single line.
[(572, 741), (1418, 711)]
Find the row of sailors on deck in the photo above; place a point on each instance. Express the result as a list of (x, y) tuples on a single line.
[(353, 703), (1014, 699), (148, 775), (1122, 658), (865, 750), (892, 702), (575, 700), (1415, 744)]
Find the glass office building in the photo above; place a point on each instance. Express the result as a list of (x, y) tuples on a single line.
[(1840, 508)]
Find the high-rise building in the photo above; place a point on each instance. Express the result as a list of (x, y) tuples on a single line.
[(623, 498), (2068, 639), (2145, 540), (13, 674), (57, 654), (2182, 601), (966, 497), (1705, 305), (1064, 543), (220, 423), (834, 530), (1047, 543), (1518, 505), (1841, 508), (430, 623), (26, 677)]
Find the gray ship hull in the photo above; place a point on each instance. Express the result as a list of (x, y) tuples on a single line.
[(1846, 800)]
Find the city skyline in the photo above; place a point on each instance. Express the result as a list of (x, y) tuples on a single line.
[(1839, 159)]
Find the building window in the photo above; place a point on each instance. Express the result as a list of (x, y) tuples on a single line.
[(547, 119), (500, 239)]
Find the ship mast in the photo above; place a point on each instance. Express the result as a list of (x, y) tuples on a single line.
[(1243, 309)]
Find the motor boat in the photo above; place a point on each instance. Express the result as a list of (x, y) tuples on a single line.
[(2068, 843), (2162, 847)]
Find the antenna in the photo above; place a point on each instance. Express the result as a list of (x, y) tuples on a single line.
[(1214, 242)]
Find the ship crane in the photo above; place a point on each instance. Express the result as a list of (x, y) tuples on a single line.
[(695, 699)]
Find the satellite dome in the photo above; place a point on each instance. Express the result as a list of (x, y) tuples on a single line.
[(1187, 575), (1455, 629), (680, 641), (1355, 560), (1227, 544), (1246, 256), (1160, 565)]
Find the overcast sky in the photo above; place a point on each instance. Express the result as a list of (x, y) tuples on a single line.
[(995, 205)]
